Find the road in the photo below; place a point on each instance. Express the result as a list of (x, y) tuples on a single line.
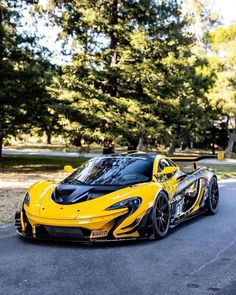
[(198, 257), (33, 152), (90, 155)]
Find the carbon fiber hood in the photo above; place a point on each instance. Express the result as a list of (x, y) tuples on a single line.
[(71, 194)]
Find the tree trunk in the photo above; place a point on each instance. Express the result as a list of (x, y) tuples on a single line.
[(1, 144), (172, 148), (213, 150), (49, 137), (229, 149), (113, 32), (133, 142), (213, 139), (113, 47), (1, 64), (1, 33), (232, 137), (140, 144)]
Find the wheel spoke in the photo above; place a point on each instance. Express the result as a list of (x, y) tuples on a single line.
[(214, 196), (162, 214), (215, 190), (162, 226), (164, 221), (160, 203), (163, 206)]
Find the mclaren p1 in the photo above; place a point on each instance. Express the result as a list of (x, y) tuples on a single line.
[(118, 197)]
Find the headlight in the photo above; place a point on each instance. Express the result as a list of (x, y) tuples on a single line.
[(27, 199), (132, 204)]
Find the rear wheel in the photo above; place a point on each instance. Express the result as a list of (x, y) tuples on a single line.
[(212, 202), (161, 216)]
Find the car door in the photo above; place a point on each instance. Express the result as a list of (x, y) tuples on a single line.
[(172, 183)]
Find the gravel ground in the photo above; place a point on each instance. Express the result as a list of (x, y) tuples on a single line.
[(13, 187)]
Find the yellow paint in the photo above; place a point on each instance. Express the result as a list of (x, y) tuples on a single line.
[(221, 156), (92, 214), (68, 169)]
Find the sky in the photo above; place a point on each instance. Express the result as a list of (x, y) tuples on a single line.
[(226, 9)]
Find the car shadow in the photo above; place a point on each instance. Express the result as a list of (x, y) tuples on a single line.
[(189, 222), (79, 244), (112, 244)]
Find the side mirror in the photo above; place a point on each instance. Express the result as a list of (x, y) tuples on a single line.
[(167, 170), (68, 169)]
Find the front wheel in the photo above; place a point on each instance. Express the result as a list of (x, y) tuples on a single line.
[(212, 202), (161, 215)]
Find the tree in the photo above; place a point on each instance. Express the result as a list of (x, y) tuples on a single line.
[(13, 60), (204, 17), (47, 110), (24, 99), (132, 73), (223, 95)]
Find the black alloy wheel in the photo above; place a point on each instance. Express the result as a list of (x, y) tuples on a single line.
[(213, 196), (161, 215)]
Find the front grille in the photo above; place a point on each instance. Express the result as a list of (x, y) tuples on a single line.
[(63, 232)]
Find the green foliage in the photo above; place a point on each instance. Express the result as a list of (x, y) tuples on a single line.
[(132, 72), (222, 96), (25, 101), (222, 44), (33, 163)]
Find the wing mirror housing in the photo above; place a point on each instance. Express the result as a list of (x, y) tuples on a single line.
[(68, 168), (167, 170)]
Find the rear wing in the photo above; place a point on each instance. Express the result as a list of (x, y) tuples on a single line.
[(194, 159), (219, 156)]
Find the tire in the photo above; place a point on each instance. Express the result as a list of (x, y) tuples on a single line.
[(161, 215), (212, 202)]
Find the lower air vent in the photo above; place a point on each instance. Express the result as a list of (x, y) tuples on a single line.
[(67, 232)]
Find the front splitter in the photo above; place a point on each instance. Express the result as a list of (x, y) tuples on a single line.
[(79, 240)]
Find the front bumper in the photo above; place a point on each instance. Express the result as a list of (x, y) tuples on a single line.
[(77, 233)]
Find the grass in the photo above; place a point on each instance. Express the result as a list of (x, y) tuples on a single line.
[(224, 171), (33, 163), (56, 147)]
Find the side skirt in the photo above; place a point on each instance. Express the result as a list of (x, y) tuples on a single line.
[(188, 217)]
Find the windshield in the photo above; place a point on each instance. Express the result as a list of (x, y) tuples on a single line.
[(119, 170)]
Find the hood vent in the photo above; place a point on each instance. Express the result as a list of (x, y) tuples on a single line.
[(65, 194)]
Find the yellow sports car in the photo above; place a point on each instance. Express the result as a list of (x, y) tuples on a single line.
[(116, 197)]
